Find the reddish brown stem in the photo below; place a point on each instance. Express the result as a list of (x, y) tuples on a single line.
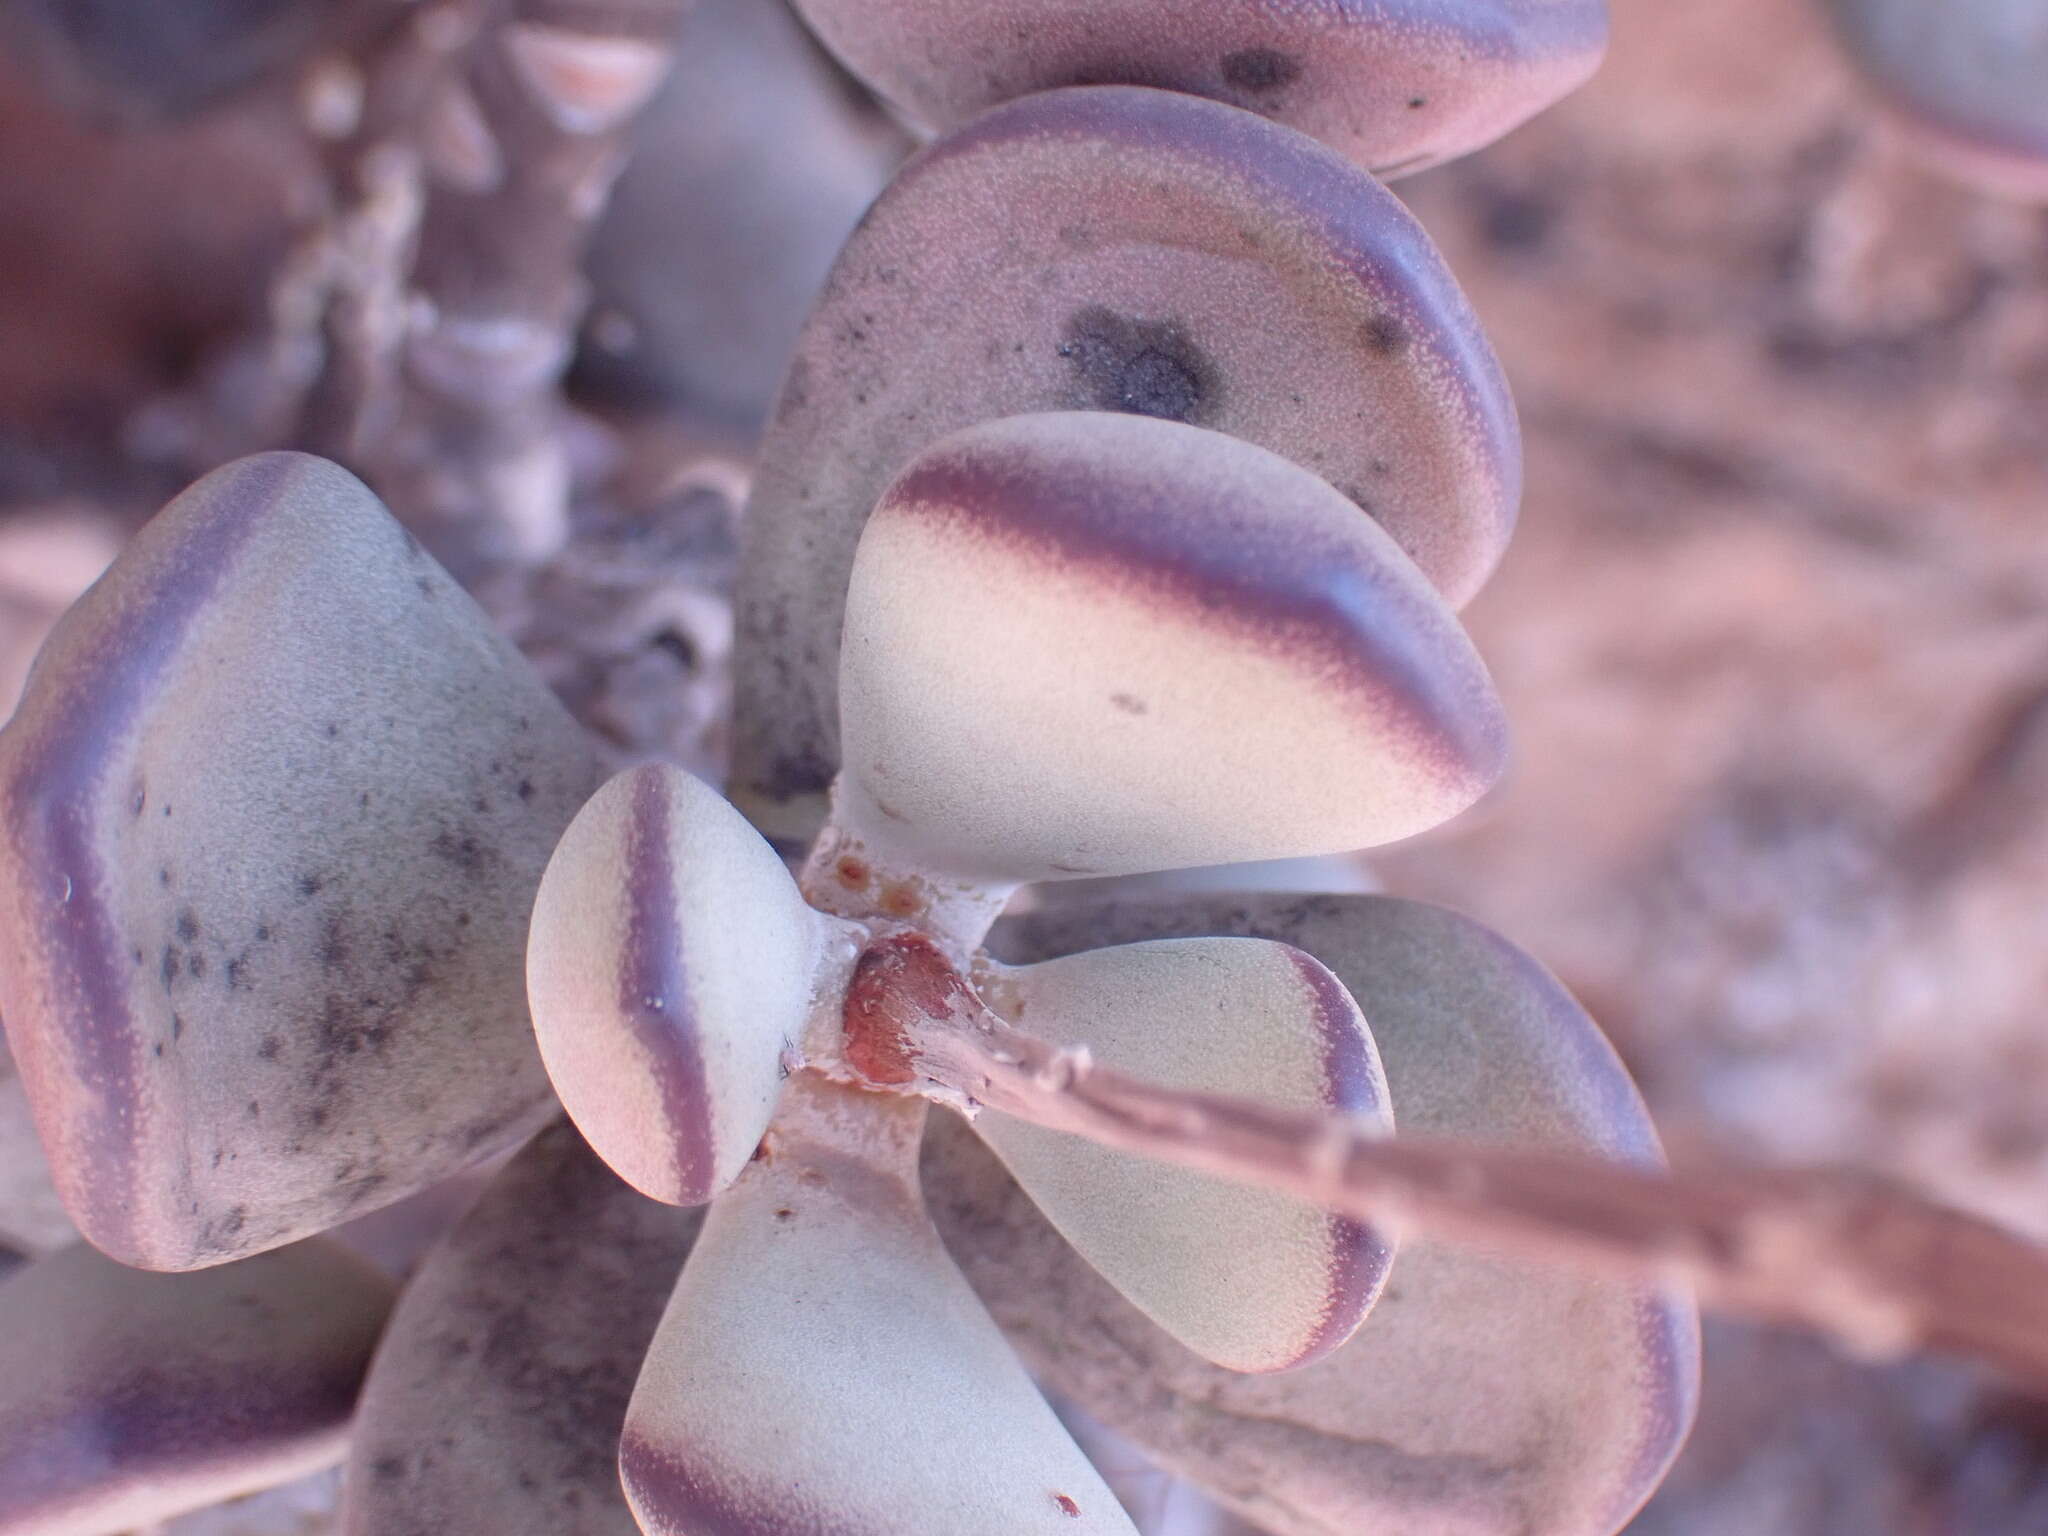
[(1877, 1266)]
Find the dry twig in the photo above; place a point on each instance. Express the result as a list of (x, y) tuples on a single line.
[(1880, 1268)]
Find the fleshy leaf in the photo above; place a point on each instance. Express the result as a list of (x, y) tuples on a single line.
[(128, 1398), (1080, 643), (1249, 1279), (1483, 1396), (1395, 86), (273, 811), (670, 965), (823, 1367), (1109, 249), (1963, 79), (497, 1396)]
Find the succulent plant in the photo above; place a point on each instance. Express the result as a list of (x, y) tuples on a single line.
[(1147, 582), (1112, 520)]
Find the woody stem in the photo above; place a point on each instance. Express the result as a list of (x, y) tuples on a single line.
[(1880, 1268)]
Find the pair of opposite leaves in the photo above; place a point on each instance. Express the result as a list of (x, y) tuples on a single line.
[(439, 774)]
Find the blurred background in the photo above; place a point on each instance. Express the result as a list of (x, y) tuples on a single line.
[(1773, 632)]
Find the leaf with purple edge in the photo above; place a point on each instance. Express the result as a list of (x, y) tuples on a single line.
[(823, 1367), (1480, 1389), (1082, 644), (669, 967), (274, 807), (1251, 1280)]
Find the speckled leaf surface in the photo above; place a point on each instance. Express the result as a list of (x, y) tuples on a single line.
[(1482, 1396), (823, 1368), (1080, 643), (1247, 1278), (497, 1395), (1967, 80), (1394, 84), (128, 1397), (1124, 250), (274, 808), (668, 967)]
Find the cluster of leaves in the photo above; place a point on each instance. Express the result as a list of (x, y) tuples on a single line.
[(1112, 519)]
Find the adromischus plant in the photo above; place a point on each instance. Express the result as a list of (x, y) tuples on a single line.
[(1145, 582), (278, 801)]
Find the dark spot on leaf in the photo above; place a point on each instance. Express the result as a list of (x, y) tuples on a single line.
[(334, 945), (1260, 70), (188, 925), (1129, 703), (1143, 367), (1417, 101), (465, 850), (269, 1048), (1385, 335)]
